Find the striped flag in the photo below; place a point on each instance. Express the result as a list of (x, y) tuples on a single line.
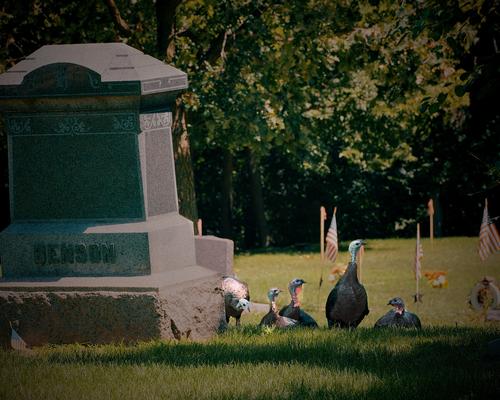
[(332, 247), (419, 253), (16, 342), (489, 239)]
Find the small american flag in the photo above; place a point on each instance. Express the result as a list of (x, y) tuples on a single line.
[(16, 342), (332, 247), (489, 239), (419, 253)]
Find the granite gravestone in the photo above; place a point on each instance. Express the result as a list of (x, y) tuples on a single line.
[(96, 250)]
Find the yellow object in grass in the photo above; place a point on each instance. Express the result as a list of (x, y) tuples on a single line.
[(437, 279), (336, 272)]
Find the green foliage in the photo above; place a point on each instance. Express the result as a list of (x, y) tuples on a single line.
[(28, 24), (366, 97), (373, 106)]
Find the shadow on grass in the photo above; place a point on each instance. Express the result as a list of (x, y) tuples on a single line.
[(432, 363), (359, 348)]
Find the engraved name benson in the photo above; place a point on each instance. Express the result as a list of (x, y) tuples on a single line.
[(66, 253)]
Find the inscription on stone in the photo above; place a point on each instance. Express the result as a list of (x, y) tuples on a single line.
[(69, 253)]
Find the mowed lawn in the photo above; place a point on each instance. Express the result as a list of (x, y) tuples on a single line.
[(386, 272), (445, 360)]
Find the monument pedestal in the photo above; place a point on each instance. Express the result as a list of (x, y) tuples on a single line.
[(173, 304)]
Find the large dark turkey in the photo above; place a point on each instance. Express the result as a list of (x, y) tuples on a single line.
[(293, 309), (272, 318), (236, 297), (398, 317), (347, 303)]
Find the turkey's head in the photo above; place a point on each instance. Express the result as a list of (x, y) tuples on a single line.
[(398, 304), (295, 287), (354, 247), (243, 304), (273, 293)]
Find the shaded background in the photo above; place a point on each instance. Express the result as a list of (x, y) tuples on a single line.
[(371, 106)]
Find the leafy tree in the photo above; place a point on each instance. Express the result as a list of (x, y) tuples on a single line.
[(370, 105)]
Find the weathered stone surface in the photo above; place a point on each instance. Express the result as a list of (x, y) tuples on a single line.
[(157, 163), (215, 253), (189, 308)]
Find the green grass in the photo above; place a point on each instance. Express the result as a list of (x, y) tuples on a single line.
[(445, 360), (387, 272), (435, 363)]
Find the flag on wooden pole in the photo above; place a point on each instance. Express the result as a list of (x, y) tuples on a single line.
[(489, 239), (16, 342), (332, 247)]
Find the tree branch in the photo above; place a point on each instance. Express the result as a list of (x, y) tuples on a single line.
[(120, 23), (219, 46)]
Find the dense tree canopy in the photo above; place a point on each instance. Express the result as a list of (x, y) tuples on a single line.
[(372, 106)]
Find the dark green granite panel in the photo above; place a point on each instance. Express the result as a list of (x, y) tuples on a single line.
[(76, 177)]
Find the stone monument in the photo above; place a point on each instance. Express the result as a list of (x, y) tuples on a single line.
[(96, 250)]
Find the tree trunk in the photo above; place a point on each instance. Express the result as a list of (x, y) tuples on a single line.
[(227, 196), (258, 200), (165, 24), (165, 33), (183, 165)]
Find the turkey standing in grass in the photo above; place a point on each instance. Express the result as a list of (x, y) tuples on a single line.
[(272, 318), (236, 298), (347, 303), (398, 317), (293, 309)]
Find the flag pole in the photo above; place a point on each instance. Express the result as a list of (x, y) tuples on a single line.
[(484, 264), (417, 269), (322, 217), (430, 211), (199, 225), (432, 228), (361, 254)]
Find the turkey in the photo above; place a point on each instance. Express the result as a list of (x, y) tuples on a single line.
[(347, 303), (293, 309), (272, 318), (398, 317), (236, 298)]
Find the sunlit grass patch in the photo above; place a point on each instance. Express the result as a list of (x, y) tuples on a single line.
[(387, 271)]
